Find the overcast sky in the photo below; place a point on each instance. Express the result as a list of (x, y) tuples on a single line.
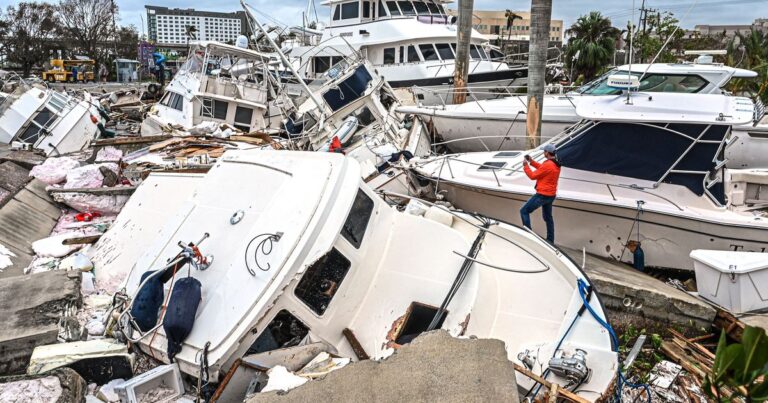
[(714, 12)]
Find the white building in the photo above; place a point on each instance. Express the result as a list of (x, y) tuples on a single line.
[(168, 26)]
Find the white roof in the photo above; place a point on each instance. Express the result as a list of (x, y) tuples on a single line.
[(688, 68), (668, 108), (729, 261)]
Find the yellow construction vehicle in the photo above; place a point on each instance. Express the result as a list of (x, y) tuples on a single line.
[(62, 71)]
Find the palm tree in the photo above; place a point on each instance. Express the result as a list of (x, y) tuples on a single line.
[(750, 51), (594, 39), (511, 17)]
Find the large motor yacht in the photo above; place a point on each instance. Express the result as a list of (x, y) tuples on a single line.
[(410, 43), (500, 124), (650, 169)]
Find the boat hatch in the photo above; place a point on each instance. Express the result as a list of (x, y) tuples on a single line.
[(417, 320), (321, 281), (506, 154), (348, 90), (492, 165), (285, 330)]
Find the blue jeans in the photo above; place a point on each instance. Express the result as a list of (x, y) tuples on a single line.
[(545, 202)]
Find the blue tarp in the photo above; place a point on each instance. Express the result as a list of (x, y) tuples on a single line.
[(348, 90)]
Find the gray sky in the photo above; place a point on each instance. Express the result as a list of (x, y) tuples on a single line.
[(715, 12)]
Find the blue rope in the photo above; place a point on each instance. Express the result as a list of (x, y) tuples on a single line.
[(584, 292)]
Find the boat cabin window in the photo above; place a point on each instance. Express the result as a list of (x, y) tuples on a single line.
[(473, 52), (284, 331), (173, 100), (496, 55), (366, 9), (650, 83), (444, 50), (417, 320), (401, 55), (406, 7), (357, 220), (337, 13), (393, 10), (421, 8), (322, 280), (39, 125), (389, 56), (212, 108), (321, 64), (413, 55), (243, 118), (428, 51), (433, 8), (350, 10), (382, 10), (480, 50), (492, 166)]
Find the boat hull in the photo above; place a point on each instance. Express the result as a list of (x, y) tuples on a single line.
[(603, 230)]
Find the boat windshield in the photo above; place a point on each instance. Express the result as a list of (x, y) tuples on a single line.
[(652, 82)]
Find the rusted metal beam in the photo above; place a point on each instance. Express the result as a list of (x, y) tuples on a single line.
[(82, 240), (356, 346), (563, 393)]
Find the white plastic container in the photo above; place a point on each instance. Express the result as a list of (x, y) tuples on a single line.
[(737, 281), (164, 376)]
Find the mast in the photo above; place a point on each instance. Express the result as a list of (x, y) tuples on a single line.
[(541, 13), (461, 65)]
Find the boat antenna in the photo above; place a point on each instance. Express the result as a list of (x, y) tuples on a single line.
[(669, 38), (284, 60), (631, 51)]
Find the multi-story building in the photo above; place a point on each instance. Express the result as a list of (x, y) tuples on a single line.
[(168, 26), (493, 24), (760, 24)]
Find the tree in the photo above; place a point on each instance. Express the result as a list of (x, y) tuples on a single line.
[(30, 28), (128, 42), (592, 44), (660, 28), (89, 25), (511, 17), (750, 51), (541, 17), (463, 34)]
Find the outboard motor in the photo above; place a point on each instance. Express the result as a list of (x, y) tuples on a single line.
[(573, 368)]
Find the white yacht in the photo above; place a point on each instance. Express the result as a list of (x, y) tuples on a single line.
[(341, 268), (410, 43), (651, 171), (46, 120), (218, 83), (500, 124)]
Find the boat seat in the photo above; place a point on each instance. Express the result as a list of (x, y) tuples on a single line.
[(754, 176)]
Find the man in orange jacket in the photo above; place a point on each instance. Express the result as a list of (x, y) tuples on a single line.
[(546, 176)]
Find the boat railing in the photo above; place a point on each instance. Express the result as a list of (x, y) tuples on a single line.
[(486, 92), (536, 154)]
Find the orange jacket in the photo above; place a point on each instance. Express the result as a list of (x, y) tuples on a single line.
[(546, 175)]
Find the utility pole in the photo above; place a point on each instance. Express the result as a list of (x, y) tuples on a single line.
[(541, 16), (461, 65)]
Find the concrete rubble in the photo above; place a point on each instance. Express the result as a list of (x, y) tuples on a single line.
[(433, 367)]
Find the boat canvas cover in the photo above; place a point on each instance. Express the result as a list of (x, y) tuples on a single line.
[(352, 88), (648, 152)]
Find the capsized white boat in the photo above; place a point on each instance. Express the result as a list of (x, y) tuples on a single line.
[(50, 121), (500, 124), (656, 163), (297, 249)]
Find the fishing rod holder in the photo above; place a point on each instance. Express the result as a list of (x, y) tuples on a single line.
[(191, 252)]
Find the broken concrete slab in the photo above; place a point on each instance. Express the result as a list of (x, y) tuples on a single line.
[(98, 361), (433, 367), (31, 307), (12, 177), (62, 385), (633, 297)]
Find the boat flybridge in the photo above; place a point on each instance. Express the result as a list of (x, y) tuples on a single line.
[(341, 268), (500, 124), (651, 170), (218, 83), (46, 120), (409, 42)]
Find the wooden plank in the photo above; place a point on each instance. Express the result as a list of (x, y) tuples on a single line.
[(565, 394), (90, 239), (356, 346), (732, 325), (121, 190), (130, 140)]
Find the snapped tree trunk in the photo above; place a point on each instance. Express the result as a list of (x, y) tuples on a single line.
[(541, 13), (463, 35)]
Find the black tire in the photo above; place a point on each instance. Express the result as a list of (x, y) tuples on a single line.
[(153, 89)]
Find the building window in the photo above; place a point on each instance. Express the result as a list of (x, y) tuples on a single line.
[(389, 56)]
